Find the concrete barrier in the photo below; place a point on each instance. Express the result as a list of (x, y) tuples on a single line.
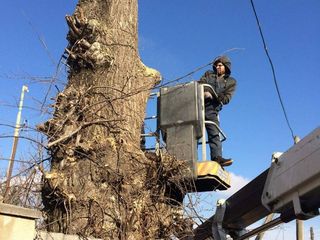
[(17, 223), (42, 235)]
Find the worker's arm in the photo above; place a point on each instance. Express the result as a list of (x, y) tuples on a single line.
[(204, 80), (227, 94), (206, 76)]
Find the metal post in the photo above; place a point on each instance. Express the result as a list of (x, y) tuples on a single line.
[(15, 142), (311, 233), (299, 223), (299, 229)]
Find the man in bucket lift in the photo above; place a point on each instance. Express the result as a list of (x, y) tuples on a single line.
[(224, 86)]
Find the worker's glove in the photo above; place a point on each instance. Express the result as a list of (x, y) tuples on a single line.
[(220, 97), (218, 108), (207, 95)]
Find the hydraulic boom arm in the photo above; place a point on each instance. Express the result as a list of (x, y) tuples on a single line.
[(290, 187)]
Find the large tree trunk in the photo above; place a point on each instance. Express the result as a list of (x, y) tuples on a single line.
[(101, 183)]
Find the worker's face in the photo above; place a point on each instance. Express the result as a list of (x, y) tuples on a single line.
[(220, 68)]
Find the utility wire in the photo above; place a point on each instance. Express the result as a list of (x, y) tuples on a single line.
[(273, 71), (178, 79), (25, 170), (16, 160), (184, 76)]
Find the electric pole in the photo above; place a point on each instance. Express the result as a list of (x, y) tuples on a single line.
[(299, 229), (311, 233), (15, 142)]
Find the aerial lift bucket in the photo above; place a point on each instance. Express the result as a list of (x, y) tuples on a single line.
[(181, 122)]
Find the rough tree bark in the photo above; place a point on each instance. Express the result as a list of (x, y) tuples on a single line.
[(101, 183)]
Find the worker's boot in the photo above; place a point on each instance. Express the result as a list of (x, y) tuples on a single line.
[(224, 162)]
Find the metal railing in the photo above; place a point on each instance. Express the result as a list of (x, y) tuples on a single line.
[(155, 134), (204, 122)]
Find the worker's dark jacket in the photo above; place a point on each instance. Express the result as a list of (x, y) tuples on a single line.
[(224, 88)]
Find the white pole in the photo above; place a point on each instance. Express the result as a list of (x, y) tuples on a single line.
[(15, 141)]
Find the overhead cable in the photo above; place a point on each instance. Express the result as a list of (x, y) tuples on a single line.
[(184, 76), (272, 68)]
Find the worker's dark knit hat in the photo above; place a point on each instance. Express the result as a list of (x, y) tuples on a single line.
[(225, 61)]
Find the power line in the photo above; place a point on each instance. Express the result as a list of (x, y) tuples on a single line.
[(16, 160), (34, 165), (195, 70), (184, 76), (272, 68)]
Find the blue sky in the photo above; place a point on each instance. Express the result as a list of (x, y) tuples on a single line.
[(176, 37)]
